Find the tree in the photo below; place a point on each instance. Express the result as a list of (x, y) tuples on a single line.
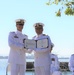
[(67, 4)]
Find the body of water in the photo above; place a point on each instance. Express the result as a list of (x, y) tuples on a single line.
[(4, 63)]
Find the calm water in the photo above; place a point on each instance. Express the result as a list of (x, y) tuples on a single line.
[(4, 63)]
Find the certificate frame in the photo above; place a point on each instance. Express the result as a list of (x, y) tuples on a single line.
[(42, 43), (29, 44), (32, 44)]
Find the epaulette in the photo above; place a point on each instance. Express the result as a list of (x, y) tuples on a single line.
[(44, 34), (34, 36), (25, 35), (53, 54), (72, 55), (12, 32)]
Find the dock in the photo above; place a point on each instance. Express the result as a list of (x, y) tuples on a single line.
[(63, 66)]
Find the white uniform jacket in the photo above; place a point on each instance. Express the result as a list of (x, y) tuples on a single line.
[(54, 63), (17, 53), (41, 55), (71, 63)]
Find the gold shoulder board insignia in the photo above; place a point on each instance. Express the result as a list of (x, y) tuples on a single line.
[(12, 32), (34, 36), (44, 34)]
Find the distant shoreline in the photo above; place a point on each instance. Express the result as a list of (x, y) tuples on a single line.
[(31, 57), (3, 57)]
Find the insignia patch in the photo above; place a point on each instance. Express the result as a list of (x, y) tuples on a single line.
[(15, 36)]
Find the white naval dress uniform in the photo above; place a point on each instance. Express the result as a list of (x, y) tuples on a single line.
[(55, 67), (71, 64), (42, 57), (17, 58)]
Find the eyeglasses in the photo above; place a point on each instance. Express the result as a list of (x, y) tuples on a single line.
[(20, 24)]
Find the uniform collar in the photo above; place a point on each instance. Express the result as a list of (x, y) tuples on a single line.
[(39, 35), (18, 32)]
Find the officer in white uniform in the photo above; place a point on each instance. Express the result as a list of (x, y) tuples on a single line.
[(41, 55), (17, 58), (71, 64), (52, 45), (55, 65)]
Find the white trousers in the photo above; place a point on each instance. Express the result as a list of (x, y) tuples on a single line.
[(53, 69), (57, 73), (18, 69), (42, 70), (72, 73)]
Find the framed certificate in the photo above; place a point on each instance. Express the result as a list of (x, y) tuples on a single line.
[(42, 43), (32, 44), (28, 43)]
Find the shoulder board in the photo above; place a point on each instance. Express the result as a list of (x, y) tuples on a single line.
[(12, 32), (52, 54), (72, 55), (48, 36), (25, 35), (44, 34), (34, 36)]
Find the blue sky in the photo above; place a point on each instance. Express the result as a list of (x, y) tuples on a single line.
[(60, 29)]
